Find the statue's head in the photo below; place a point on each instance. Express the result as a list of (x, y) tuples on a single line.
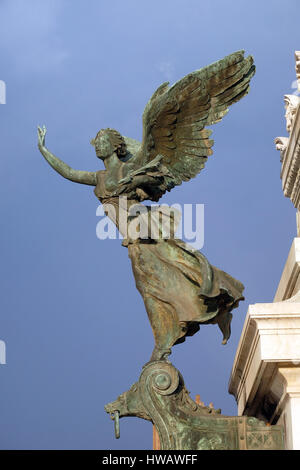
[(108, 141)]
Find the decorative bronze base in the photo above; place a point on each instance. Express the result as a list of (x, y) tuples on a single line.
[(160, 396)]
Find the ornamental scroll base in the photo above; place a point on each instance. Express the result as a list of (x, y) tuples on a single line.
[(161, 397)]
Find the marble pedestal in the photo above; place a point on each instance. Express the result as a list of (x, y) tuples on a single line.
[(265, 378)]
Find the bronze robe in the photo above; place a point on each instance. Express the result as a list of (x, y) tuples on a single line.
[(180, 288), (178, 283)]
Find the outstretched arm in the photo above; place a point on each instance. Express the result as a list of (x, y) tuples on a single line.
[(78, 176)]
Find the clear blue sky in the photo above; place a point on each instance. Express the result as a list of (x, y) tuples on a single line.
[(74, 324)]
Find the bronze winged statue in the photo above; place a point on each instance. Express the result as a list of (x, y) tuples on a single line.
[(180, 289)]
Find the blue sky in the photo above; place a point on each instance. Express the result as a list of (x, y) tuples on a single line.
[(74, 325)]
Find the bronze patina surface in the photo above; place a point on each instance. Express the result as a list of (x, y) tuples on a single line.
[(180, 289), (160, 396)]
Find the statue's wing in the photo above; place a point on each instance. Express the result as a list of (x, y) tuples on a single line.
[(174, 119)]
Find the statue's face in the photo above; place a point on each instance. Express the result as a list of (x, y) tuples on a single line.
[(103, 146)]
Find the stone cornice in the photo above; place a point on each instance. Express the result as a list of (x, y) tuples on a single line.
[(289, 281), (271, 336), (290, 174), (297, 67), (289, 147)]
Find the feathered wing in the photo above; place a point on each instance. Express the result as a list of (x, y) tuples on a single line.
[(174, 119)]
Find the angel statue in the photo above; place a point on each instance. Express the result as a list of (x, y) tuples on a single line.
[(180, 288)]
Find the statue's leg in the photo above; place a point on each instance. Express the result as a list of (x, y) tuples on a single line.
[(167, 330)]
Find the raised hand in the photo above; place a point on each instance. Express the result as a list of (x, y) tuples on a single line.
[(78, 176), (41, 136)]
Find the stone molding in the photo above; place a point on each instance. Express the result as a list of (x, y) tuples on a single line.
[(297, 67), (265, 343), (265, 377), (290, 174), (289, 283), (289, 147)]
